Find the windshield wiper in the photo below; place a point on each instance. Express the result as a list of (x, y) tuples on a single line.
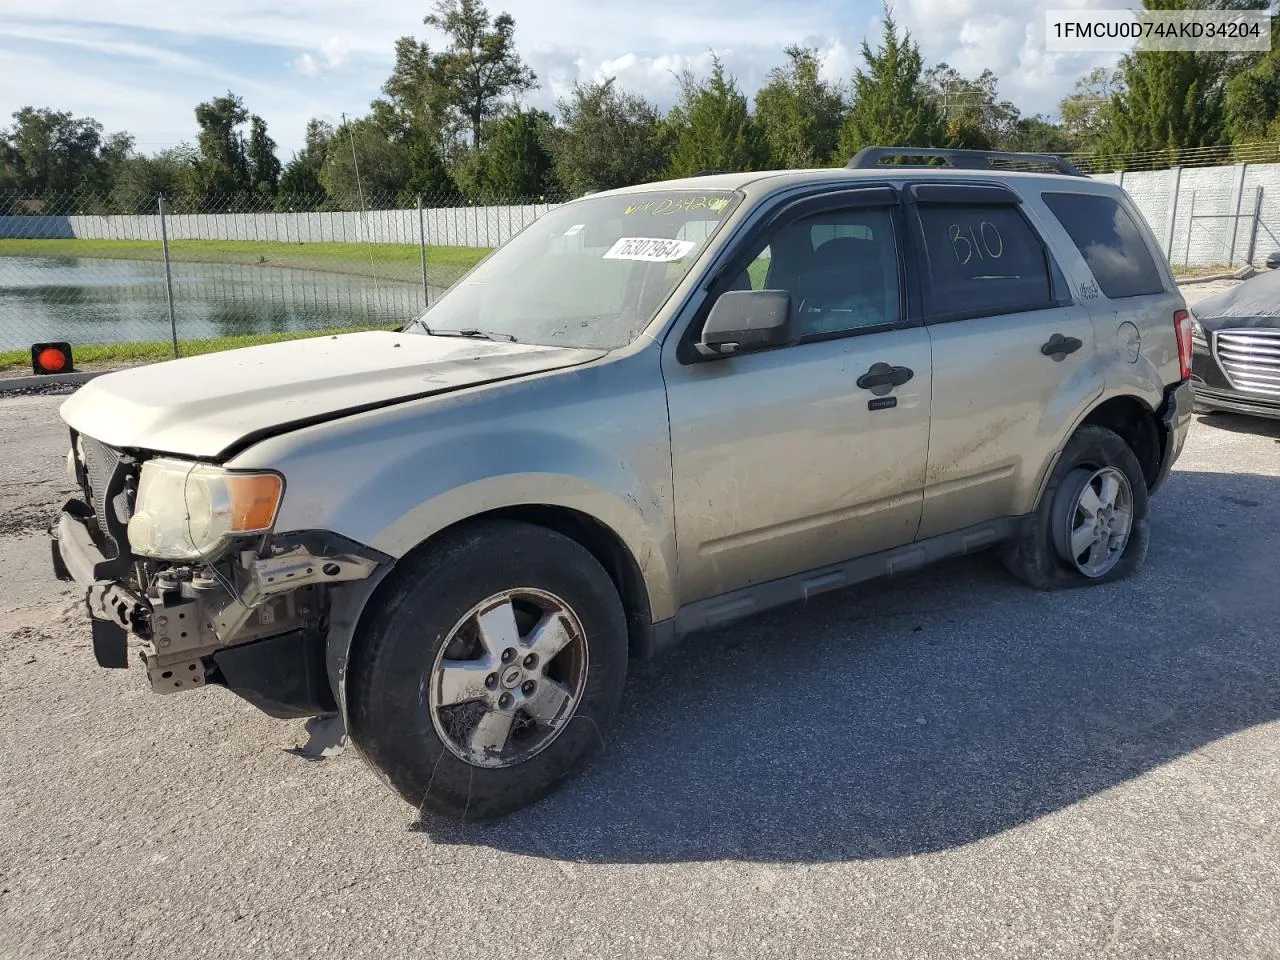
[(472, 333)]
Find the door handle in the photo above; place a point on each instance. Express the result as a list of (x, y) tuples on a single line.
[(885, 375), (1059, 346)]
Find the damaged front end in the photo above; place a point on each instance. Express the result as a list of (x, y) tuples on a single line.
[(228, 602)]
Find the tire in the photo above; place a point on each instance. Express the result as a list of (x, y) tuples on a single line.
[(1037, 556), (429, 752)]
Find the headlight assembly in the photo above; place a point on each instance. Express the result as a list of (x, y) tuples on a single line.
[(190, 511)]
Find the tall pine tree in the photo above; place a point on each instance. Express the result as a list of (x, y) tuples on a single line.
[(1171, 101), (891, 107), (713, 127), (799, 113)]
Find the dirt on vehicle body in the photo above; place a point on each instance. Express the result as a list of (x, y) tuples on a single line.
[(655, 410)]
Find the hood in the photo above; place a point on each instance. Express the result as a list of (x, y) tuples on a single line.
[(210, 405), (1254, 303)]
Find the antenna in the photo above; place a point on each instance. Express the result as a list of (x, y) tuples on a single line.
[(364, 212)]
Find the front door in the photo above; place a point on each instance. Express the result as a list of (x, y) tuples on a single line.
[(782, 462)]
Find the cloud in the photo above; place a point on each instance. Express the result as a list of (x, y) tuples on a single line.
[(334, 52), (1006, 36), (307, 65), (292, 59)]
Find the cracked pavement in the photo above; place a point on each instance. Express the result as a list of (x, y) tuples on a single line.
[(944, 765)]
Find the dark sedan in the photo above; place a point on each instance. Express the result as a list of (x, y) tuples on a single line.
[(1235, 338)]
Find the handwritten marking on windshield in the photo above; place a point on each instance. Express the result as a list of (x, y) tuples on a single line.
[(669, 206)]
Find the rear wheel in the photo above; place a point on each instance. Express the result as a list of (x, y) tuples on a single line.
[(1091, 525), (490, 670)]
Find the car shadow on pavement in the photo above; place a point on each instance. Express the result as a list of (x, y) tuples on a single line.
[(1240, 423), (921, 714)]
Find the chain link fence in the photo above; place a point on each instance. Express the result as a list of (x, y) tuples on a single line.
[(85, 270), (233, 271)]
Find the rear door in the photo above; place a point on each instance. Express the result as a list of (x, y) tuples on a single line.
[(1014, 357)]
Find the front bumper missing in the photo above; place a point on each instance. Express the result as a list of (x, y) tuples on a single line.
[(255, 628)]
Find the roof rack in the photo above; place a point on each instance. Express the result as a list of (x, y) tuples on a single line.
[(869, 157)]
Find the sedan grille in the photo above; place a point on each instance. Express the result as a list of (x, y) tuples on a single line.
[(1250, 358)]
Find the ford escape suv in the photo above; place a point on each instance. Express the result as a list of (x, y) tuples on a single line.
[(655, 410)]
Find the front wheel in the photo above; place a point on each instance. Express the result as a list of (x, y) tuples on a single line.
[(490, 669), (1091, 525)]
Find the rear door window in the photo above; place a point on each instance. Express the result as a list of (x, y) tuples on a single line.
[(1110, 242), (983, 260)]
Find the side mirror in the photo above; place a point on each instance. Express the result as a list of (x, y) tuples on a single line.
[(744, 320)]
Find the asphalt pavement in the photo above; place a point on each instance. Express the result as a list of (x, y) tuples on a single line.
[(946, 765)]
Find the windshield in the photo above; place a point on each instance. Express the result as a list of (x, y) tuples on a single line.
[(587, 274)]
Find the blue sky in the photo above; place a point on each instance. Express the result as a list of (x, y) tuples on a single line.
[(142, 65)]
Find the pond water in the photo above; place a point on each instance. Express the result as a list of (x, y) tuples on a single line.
[(90, 300)]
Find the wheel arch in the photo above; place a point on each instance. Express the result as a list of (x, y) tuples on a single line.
[(603, 543), (593, 535), (1138, 425), (1133, 419)]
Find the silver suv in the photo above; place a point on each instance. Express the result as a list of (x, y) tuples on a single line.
[(655, 410)]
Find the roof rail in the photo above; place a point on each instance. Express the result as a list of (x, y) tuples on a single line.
[(869, 157)]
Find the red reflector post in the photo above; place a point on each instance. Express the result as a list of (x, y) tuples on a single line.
[(51, 358), (1182, 327)]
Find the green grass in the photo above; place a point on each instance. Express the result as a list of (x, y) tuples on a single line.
[(109, 354), (392, 261)]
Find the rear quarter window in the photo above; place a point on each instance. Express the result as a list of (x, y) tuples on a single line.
[(1110, 242)]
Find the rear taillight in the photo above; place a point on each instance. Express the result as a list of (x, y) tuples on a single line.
[(1182, 327)]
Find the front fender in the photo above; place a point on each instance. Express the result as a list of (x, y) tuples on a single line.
[(392, 479)]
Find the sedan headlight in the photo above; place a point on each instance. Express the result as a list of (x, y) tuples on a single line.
[(190, 511)]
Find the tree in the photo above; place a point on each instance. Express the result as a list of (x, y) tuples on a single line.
[(480, 66), (890, 106), (415, 95), (222, 170), (799, 113), (264, 166), (712, 126), (300, 184), (364, 166), (1252, 103), (514, 163), (607, 138), (1039, 135), (140, 180), (1086, 113), (974, 115), (317, 141), (429, 176), (52, 152), (1173, 100)]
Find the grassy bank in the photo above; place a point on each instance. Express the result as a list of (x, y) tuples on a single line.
[(391, 261), (120, 354)]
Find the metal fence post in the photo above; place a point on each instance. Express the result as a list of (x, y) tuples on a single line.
[(168, 276), (1235, 222), (1191, 222), (422, 250), (1253, 228), (1173, 213)]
